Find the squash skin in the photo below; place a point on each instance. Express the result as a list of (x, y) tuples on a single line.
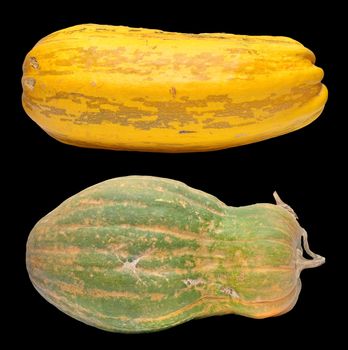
[(147, 90), (139, 254)]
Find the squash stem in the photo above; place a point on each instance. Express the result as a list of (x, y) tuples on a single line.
[(302, 263), (317, 259)]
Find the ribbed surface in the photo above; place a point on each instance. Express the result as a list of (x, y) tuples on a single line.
[(141, 253), (142, 89)]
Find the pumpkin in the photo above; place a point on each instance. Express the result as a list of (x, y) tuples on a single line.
[(140, 89), (140, 254)]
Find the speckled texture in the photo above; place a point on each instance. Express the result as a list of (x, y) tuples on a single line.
[(148, 90)]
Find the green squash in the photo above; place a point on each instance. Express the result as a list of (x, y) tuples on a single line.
[(139, 254)]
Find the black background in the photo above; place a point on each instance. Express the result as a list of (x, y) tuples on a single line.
[(304, 167)]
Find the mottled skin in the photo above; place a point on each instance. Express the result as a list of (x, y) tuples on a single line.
[(138, 253), (142, 89)]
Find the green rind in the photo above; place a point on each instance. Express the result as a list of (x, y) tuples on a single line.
[(140, 253)]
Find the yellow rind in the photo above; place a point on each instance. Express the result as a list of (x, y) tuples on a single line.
[(139, 89)]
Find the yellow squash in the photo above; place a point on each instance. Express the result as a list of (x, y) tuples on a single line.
[(141, 89)]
